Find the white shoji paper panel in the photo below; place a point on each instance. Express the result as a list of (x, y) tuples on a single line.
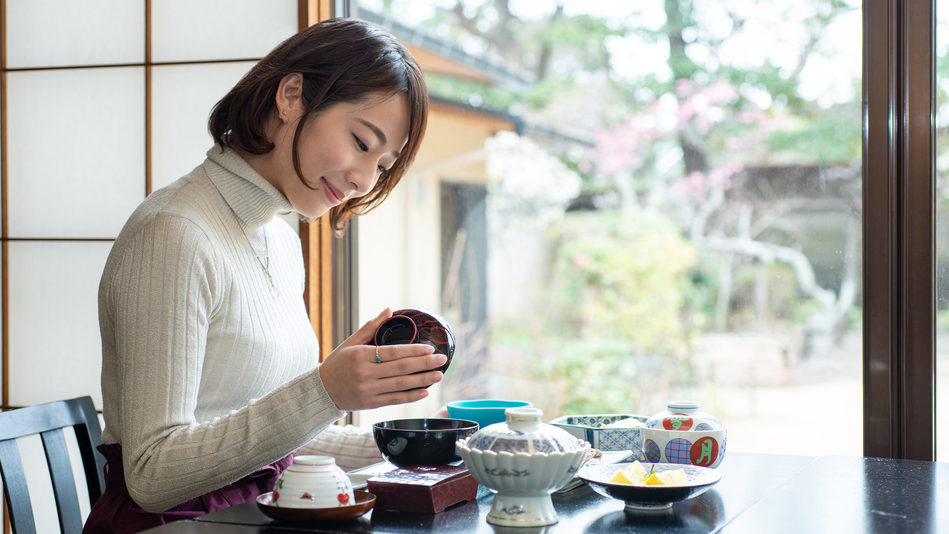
[(75, 151), (182, 98), (54, 346), (189, 30), (47, 33)]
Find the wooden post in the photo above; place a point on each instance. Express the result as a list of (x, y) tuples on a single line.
[(316, 237), (318, 292)]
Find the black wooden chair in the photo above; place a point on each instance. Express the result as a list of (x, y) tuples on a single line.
[(48, 420)]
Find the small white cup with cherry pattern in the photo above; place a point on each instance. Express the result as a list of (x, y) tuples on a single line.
[(313, 482)]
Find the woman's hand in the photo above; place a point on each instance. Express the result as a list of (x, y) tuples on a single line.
[(355, 381)]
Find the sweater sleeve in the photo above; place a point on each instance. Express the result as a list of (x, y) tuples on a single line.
[(158, 300), (352, 447)]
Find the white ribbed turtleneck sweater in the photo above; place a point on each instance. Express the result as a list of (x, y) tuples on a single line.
[(206, 376)]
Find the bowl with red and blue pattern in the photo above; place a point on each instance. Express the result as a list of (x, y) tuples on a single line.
[(684, 434)]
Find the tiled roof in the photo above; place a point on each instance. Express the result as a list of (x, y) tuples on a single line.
[(424, 40)]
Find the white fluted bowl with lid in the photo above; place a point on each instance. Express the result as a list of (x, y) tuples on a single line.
[(524, 460)]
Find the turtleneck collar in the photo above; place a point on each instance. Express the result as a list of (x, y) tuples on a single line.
[(254, 200)]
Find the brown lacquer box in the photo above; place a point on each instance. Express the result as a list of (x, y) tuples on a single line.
[(426, 489)]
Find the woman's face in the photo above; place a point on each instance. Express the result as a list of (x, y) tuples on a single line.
[(342, 151)]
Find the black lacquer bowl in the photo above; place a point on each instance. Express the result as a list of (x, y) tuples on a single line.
[(411, 325), (407, 442)]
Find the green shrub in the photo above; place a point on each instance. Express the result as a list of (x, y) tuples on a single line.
[(613, 311)]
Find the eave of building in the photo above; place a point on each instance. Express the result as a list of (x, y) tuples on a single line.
[(439, 56), (499, 120)]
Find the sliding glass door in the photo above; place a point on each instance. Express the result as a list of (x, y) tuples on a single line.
[(725, 202)]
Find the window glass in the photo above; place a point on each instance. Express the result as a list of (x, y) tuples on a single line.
[(622, 204), (942, 228)]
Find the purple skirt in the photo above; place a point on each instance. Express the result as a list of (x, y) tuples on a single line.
[(116, 512)]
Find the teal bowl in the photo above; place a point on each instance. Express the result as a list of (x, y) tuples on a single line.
[(483, 411)]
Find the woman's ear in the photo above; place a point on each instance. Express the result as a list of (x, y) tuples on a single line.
[(289, 101)]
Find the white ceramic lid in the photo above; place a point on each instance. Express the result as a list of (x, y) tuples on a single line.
[(524, 432), (683, 416), (310, 459)]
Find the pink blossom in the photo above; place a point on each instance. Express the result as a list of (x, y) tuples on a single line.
[(702, 124), (720, 92), (686, 111), (683, 87), (618, 148), (695, 186)]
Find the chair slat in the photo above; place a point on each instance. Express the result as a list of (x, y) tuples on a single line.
[(35, 419), (89, 436), (64, 484), (48, 420), (15, 489)]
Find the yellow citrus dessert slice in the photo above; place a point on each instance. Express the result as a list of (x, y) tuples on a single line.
[(655, 480), (670, 478), (636, 472), (633, 473), (620, 478), (677, 477)]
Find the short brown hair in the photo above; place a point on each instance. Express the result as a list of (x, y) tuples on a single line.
[(341, 60)]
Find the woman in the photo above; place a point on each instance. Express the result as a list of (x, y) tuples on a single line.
[(210, 377)]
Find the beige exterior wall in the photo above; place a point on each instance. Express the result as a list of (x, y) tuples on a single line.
[(410, 220)]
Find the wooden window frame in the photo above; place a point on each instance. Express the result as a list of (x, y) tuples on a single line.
[(899, 284), (331, 283), (899, 287)]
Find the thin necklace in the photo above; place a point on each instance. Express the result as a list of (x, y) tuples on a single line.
[(265, 266)]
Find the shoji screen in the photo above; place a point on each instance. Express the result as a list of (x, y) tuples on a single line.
[(101, 102)]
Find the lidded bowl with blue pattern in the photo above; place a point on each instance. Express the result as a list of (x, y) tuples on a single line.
[(523, 431), (684, 434), (607, 432), (524, 460)]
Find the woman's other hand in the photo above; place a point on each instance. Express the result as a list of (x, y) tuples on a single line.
[(356, 381), (442, 413)]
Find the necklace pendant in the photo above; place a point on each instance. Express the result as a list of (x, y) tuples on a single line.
[(273, 283)]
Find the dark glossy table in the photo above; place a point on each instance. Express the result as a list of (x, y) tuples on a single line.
[(758, 493)]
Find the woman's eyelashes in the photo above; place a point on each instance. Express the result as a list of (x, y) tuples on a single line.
[(365, 148)]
